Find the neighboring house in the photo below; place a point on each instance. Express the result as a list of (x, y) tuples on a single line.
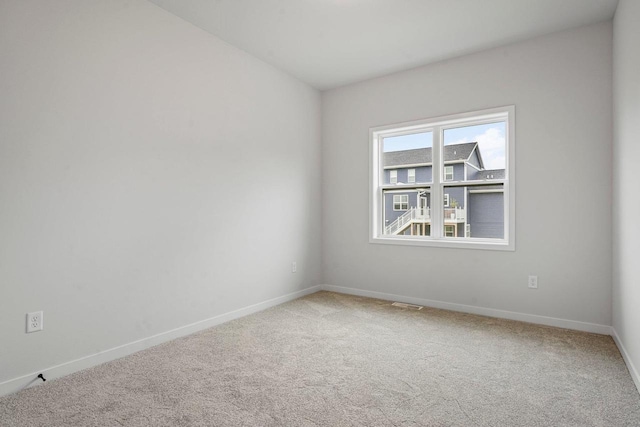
[(469, 211)]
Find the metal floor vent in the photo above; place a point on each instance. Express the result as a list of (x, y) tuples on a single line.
[(409, 306)]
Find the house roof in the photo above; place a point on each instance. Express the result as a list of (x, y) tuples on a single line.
[(425, 155), (492, 173)]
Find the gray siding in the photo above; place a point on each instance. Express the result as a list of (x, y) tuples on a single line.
[(389, 214), (486, 215), (458, 171), (473, 174), (473, 159), (423, 175), (456, 193)]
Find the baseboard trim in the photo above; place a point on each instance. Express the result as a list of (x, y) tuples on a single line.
[(491, 312), (63, 369), (627, 359)]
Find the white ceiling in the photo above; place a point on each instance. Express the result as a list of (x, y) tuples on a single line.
[(330, 43)]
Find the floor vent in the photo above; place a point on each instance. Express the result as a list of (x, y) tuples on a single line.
[(409, 306)]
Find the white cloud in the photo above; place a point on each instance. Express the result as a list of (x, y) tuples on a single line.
[(492, 148)]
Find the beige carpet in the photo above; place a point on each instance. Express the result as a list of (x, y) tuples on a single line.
[(336, 360)]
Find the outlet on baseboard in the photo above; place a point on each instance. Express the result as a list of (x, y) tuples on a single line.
[(533, 282), (35, 321)]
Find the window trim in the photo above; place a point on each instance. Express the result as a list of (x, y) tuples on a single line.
[(376, 171)]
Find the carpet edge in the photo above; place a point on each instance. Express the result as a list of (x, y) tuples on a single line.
[(482, 311)]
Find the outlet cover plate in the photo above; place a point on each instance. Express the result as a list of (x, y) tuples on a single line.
[(35, 321)]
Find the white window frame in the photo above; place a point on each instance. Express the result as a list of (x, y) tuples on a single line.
[(393, 176), (446, 200), (437, 125), (448, 173), (403, 200), (411, 176)]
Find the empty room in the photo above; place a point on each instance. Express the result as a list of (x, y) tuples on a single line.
[(319, 213)]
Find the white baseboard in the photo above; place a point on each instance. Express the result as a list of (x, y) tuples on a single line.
[(491, 312), (627, 359), (57, 371)]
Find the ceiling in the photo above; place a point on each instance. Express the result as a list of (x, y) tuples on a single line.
[(330, 43)]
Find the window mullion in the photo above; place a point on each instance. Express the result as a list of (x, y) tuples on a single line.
[(377, 220), (437, 198)]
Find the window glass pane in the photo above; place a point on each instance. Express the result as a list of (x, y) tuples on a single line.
[(407, 152), (407, 213), (476, 152), (474, 211)]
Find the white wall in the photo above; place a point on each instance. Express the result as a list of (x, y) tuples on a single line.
[(626, 154), (561, 87), (151, 176)]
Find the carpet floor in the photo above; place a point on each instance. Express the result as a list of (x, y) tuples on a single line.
[(337, 360)]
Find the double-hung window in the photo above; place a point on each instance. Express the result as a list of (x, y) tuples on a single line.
[(448, 173), (411, 176), (459, 189)]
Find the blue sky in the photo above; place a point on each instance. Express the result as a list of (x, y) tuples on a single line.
[(490, 138)]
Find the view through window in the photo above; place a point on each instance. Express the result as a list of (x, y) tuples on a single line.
[(444, 180)]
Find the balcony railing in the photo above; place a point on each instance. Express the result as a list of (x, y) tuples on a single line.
[(453, 215), (412, 215), (422, 215)]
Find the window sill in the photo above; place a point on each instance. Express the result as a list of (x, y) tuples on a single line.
[(450, 243)]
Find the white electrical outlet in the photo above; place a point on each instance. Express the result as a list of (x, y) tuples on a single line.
[(294, 267), (35, 321), (533, 282)]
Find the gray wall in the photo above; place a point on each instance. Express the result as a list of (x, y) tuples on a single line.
[(151, 176), (561, 87), (626, 228)]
